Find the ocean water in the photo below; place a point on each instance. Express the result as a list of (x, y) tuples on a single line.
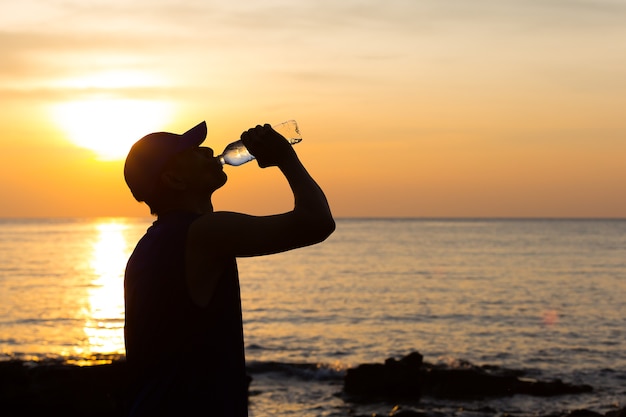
[(543, 296)]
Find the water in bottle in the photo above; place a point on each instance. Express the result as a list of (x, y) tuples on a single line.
[(236, 153)]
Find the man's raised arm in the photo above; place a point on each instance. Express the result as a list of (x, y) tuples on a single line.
[(239, 234)]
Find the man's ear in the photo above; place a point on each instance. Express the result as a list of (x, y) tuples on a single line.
[(172, 180)]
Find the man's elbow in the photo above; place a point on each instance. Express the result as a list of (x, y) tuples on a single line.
[(314, 227), (325, 228), (330, 226)]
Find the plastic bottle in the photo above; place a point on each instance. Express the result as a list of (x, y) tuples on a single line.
[(236, 153)]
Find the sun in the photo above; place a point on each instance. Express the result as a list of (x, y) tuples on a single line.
[(110, 126)]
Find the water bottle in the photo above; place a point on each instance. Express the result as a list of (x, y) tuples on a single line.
[(236, 153)]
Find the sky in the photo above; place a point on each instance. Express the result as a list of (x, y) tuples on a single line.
[(407, 108)]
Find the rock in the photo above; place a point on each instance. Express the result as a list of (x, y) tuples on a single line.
[(399, 412), (584, 413), (375, 379), (409, 378), (393, 380), (579, 413), (54, 388), (617, 413), (60, 389), (408, 413)]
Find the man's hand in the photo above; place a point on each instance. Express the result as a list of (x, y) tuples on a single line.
[(269, 147)]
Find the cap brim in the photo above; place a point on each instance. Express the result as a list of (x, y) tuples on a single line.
[(194, 136)]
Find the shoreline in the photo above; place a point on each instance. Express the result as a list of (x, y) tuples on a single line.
[(54, 387)]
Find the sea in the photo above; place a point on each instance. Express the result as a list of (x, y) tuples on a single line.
[(543, 296)]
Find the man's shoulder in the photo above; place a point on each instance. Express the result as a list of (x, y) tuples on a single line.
[(216, 221)]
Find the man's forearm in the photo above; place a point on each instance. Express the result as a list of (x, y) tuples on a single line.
[(310, 201)]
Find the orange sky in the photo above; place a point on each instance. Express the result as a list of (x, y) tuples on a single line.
[(427, 108)]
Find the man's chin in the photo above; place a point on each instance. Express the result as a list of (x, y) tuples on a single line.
[(220, 183)]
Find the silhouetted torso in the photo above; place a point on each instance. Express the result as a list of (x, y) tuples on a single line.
[(182, 356)]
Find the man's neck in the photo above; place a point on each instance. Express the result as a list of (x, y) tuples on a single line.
[(184, 204)]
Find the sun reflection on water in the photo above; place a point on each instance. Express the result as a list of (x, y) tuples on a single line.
[(104, 326)]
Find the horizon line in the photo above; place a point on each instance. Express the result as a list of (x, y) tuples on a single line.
[(399, 218)]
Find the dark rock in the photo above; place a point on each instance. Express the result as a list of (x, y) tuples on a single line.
[(397, 411), (54, 388), (584, 413), (65, 390), (578, 413), (550, 388), (394, 380), (410, 377), (408, 413), (617, 413), (374, 379)]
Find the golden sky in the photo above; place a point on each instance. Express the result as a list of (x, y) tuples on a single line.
[(425, 108)]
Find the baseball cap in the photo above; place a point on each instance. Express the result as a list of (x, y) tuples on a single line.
[(149, 155)]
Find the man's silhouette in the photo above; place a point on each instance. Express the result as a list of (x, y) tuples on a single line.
[(183, 331)]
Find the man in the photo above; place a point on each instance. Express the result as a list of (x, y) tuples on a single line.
[(183, 330)]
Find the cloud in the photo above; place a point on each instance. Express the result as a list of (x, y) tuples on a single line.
[(63, 94), (319, 42)]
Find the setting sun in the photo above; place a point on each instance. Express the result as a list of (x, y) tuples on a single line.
[(444, 109), (110, 126)]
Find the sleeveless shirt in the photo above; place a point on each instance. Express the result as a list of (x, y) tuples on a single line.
[(182, 357)]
